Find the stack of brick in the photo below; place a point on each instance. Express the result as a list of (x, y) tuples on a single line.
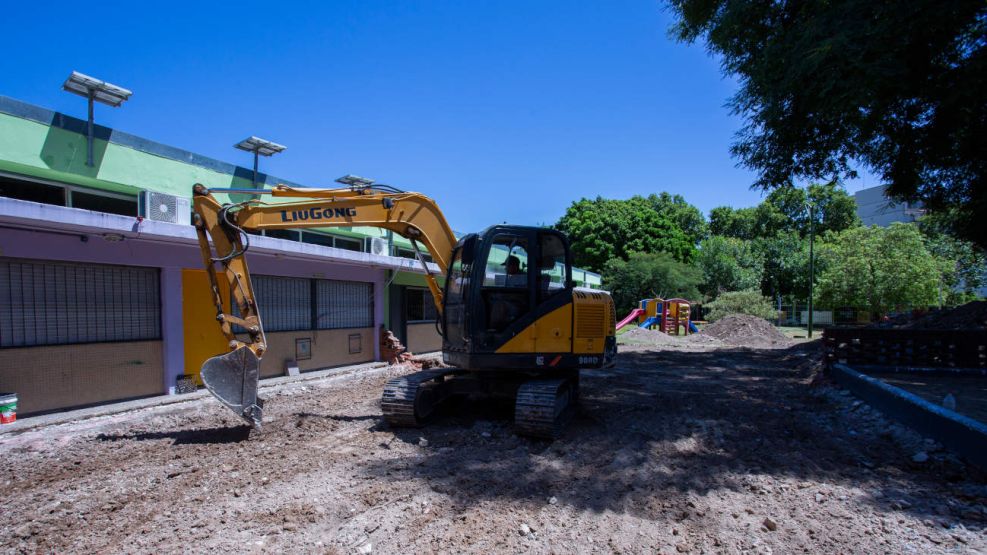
[(391, 349)]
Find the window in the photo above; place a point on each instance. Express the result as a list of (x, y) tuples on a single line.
[(317, 238), (408, 253), (104, 203), (505, 292), (289, 234), (285, 303), (348, 244), (32, 191), (344, 304), (507, 263), (58, 303), (419, 305), (552, 268)]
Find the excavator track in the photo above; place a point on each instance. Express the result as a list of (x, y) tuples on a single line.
[(544, 407), (408, 401)]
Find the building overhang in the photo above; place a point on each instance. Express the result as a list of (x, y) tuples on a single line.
[(35, 216)]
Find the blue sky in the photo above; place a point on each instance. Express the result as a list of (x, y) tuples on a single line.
[(501, 111)]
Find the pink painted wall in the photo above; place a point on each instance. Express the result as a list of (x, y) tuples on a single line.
[(171, 257)]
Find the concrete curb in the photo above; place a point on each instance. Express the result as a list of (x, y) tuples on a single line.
[(962, 434), (34, 422)]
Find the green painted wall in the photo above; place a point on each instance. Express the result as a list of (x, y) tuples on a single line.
[(31, 148), (39, 150)]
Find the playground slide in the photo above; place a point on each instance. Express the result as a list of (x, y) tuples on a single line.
[(653, 321), (693, 328), (634, 314)]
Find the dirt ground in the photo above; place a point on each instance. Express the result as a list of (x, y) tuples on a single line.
[(682, 448)]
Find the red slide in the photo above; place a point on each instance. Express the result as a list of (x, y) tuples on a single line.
[(630, 317)]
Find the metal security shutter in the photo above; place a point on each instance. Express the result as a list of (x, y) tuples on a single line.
[(285, 303), (58, 303), (344, 304)]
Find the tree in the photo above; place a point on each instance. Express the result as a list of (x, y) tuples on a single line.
[(748, 301), (689, 219), (786, 265), (650, 275), (740, 223), (964, 268), (897, 87), (603, 229), (728, 264), (879, 269), (785, 210)]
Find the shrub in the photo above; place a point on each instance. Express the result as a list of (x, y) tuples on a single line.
[(748, 301)]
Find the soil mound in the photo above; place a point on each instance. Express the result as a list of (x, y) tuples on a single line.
[(747, 331), (972, 315)]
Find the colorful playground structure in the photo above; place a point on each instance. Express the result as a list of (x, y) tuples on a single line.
[(670, 316)]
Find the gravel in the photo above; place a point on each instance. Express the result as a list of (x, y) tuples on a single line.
[(705, 442)]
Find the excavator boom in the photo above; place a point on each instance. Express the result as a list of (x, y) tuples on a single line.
[(232, 377)]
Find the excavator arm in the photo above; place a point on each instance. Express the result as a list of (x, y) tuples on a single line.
[(232, 377)]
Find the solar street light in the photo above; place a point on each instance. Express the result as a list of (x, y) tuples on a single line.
[(260, 147), (94, 90), (355, 181)]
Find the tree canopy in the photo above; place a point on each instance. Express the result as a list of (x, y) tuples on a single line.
[(880, 269), (729, 264), (650, 275), (898, 87), (604, 229), (785, 210), (689, 218)]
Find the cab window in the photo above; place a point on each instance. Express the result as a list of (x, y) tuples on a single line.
[(553, 268), (505, 291), (507, 263)]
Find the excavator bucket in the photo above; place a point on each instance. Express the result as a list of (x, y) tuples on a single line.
[(232, 378)]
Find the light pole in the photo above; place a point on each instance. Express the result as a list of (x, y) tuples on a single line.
[(94, 90), (260, 147), (812, 269)]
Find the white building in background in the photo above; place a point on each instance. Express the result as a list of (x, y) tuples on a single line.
[(874, 208)]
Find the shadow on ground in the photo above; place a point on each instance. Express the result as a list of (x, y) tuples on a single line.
[(667, 426), (233, 434)]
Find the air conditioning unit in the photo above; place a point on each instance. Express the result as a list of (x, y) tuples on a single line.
[(378, 245), (165, 208)]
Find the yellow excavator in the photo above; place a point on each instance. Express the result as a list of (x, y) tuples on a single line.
[(513, 324)]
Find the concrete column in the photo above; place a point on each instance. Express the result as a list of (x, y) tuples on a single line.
[(172, 326), (380, 300)]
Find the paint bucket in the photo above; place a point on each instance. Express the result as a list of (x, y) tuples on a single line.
[(8, 408)]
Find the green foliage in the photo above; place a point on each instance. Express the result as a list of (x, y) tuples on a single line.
[(879, 269), (786, 265), (605, 229), (896, 86), (785, 210), (740, 223), (728, 264), (748, 301), (689, 219), (650, 275), (964, 266)]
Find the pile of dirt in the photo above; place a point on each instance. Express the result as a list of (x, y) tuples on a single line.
[(747, 331), (971, 316)]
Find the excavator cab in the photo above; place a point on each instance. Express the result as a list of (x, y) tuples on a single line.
[(511, 303)]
